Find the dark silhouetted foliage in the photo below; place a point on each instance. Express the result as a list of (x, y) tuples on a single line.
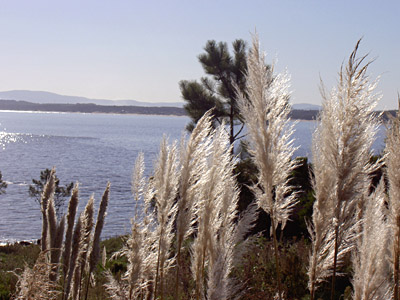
[(3, 185), (61, 192), (217, 91)]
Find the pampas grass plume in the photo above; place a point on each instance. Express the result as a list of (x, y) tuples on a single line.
[(165, 183), (95, 253), (393, 166), (193, 164), (34, 283), (341, 158), (213, 183), (84, 244), (72, 207), (48, 193), (371, 278), (265, 110), (73, 263)]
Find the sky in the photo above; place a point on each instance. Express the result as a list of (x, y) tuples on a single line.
[(140, 50)]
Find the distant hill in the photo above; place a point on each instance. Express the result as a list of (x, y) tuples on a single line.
[(53, 98), (47, 97), (306, 106), (45, 101)]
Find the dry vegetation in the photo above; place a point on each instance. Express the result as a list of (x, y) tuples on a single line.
[(188, 240)]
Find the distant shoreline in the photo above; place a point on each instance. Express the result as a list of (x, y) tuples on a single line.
[(84, 113), (90, 108), (13, 105)]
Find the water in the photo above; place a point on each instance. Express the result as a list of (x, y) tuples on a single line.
[(91, 149)]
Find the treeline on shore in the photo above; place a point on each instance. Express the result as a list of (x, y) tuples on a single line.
[(295, 114), (89, 108)]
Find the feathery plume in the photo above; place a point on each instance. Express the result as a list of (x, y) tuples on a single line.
[(115, 290), (135, 248), (56, 249), (246, 221), (135, 259), (266, 114), (51, 224), (193, 164), (48, 193), (223, 228), (95, 243), (138, 182), (139, 248), (54, 238), (72, 207), (341, 158), (76, 279), (74, 264), (84, 244), (393, 166), (165, 183), (370, 262), (212, 183), (95, 253), (212, 249), (34, 283)]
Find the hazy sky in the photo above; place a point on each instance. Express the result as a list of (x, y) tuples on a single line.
[(141, 49)]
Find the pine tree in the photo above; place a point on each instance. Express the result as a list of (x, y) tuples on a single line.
[(217, 89)]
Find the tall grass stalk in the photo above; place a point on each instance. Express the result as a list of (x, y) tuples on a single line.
[(149, 241), (193, 164), (72, 207), (79, 241), (341, 157), (87, 226), (135, 248), (215, 209), (73, 261), (56, 247), (165, 182), (393, 166), (205, 180), (95, 243), (34, 283), (138, 183), (55, 229), (223, 228), (47, 194), (139, 249), (266, 114), (114, 288), (371, 260)]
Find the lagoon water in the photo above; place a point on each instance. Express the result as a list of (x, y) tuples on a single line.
[(91, 149)]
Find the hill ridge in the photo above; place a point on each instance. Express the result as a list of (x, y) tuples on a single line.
[(44, 97)]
